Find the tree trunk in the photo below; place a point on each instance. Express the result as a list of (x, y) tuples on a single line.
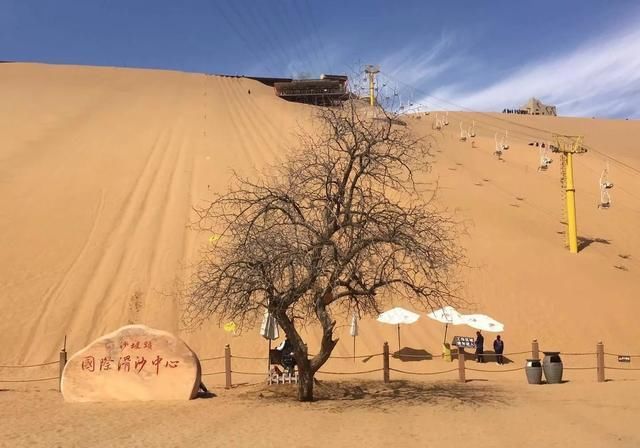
[(305, 385)]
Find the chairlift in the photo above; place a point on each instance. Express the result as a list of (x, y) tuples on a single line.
[(499, 147), (438, 126), (605, 186), (504, 143), (463, 134), (545, 161)]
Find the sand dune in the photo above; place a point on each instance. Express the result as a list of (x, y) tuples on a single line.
[(99, 169)]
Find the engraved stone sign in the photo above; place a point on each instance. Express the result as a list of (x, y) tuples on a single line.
[(133, 363)]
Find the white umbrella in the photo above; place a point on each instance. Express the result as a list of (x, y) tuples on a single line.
[(269, 330), (483, 322), (397, 316), (447, 315), (353, 330), (269, 327)]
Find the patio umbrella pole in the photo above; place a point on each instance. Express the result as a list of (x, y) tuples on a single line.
[(354, 349), (269, 360), (446, 327), (398, 337)]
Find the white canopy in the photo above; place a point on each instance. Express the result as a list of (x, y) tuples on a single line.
[(353, 330), (269, 327), (447, 315), (483, 322), (396, 316)]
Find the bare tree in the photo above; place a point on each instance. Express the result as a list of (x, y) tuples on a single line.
[(336, 227)]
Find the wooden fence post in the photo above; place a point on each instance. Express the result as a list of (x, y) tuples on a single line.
[(385, 362), (535, 351), (62, 363), (227, 366), (461, 372), (600, 361)]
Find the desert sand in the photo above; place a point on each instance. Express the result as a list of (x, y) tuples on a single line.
[(100, 169)]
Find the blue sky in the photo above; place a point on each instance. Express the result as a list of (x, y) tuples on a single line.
[(583, 55)]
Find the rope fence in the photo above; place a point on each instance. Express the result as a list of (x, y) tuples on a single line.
[(361, 372), (211, 359), (29, 365), (494, 371), (422, 373), (35, 380), (386, 368)]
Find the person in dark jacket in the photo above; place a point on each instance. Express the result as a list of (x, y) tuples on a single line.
[(479, 347), (498, 347)]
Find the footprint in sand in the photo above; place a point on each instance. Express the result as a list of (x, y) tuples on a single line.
[(135, 306)]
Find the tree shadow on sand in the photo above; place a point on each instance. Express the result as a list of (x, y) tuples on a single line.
[(344, 395)]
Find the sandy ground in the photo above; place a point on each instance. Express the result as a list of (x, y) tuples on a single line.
[(431, 414), (100, 169)]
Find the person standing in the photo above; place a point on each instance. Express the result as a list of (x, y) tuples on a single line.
[(479, 347), (498, 347)]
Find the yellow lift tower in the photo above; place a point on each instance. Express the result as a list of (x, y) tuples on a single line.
[(567, 146), (372, 70)]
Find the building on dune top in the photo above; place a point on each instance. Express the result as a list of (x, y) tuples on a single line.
[(328, 90), (536, 107)]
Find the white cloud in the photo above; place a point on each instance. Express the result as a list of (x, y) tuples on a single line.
[(413, 65), (601, 78)]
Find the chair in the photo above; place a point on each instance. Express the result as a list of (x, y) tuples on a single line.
[(287, 376)]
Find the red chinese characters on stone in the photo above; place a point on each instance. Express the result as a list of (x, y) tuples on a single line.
[(156, 362), (105, 363), (136, 345), (172, 364), (89, 363), (140, 362), (124, 364)]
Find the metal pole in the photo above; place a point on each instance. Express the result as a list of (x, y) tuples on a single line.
[(371, 88), (600, 361), (354, 349), (227, 366), (461, 372), (398, 337), (572, 228), (446, 327), (385, 362), (535, 351), (269, 363)]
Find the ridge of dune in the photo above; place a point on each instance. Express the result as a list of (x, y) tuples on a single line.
[(100, 167)]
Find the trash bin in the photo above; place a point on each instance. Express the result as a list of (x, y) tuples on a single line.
[(446, 352), (552, 367), (534, 371)]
